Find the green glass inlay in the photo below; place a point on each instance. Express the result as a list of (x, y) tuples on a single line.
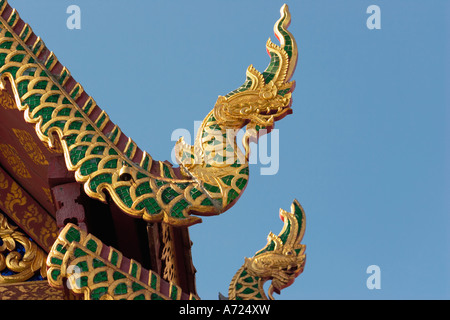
[(97, 293), (174, 293), (97, 180), (56, 261), (232, 194), (92, 245), (41, 84), (168, 195), (6, 45), (111, 164), (118, 275), (177, 210), (143, 188), (22, 87), (150, 204), (53, 98), (78, 153), (195, 193), (33, 101), (241, 182), (124, 194), (153, 281), (64, 112), (96, 263), (82, 265), (167, 173), (55, 274), (134, 270), (76, 125), (18, 58), (155, 296), (73, 235), (207, 202), (121, 288), (227, 180), (100, 277), (79, 252), (211, 188)]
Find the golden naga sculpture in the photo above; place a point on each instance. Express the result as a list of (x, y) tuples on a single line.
[(213, 172), (281, 260)]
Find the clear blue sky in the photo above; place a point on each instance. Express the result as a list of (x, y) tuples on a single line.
[(365, 151)]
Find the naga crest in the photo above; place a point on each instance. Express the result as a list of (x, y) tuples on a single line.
[(264, 97), (281, 260)]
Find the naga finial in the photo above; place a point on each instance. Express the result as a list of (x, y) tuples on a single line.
[(281, 260)]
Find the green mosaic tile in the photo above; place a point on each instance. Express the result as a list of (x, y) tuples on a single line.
[(96, 263), (64, 112), (177, 210), (97, 180), (41, 84), (241, 183), (100, 277), (22, 87), (76, 125), (211, 188), (6, 45), (155, 296), (98, 150), (98, 292), (33, 101), (121, 288), (174, 293), (78, 153), (232, 194), (150, 204), (207, 202), (73, 235), (168, 195), (18, 58), (167, 173), (143, 188), (195, 193), (118, 275), (91, 245), (53, 98), (227, 180), (124, 194), (111, 164)]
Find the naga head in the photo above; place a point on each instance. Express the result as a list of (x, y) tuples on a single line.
[(265, 97), (283, 258)]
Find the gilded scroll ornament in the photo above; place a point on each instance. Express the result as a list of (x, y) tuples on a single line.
[(24, 265), (30, 146), (213, 172), (12, 157)]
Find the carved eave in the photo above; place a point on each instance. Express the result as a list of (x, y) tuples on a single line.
[(82, 263)]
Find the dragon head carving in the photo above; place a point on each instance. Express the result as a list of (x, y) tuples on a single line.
[(265, 97), (283, 258)]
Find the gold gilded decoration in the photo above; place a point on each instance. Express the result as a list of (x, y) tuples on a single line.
[(6, 100), (88, 267), (13, 159), (23, 210), (281, 260), (31, 290), (23, 265), (30, 146)]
